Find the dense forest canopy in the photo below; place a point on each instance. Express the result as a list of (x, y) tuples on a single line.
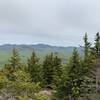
[(78, 79)]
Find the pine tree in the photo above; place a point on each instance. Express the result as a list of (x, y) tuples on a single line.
[(87, 61), (97, 61), (70, 84), (48, 70), (57, 65), (34, 68), (75, 74), (95, 51), (52, 70), (97, 46), (15, 59), (14, 64), (87, 46), (88, 69)]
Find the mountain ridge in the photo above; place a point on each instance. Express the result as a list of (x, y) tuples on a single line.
[(40, 44), (41, 51)]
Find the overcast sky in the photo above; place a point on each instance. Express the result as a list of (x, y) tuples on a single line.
[(54, 22)]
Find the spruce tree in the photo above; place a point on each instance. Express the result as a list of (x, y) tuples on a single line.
[(57, 65), (52, 70), (87, 46), (69, 87), (95, 51), (97, 45), (15, 59), (87, 64), (13, 65), (34, 68), (87, 61), (48, 70), (75, 75)]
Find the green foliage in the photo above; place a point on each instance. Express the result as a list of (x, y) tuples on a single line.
[(74, 82), (22, 87), (68, 82), (34, 68), (3, 80), (22, 98), (75, 74), (62, 90), (87, 46), (71, 82), (96, 49), (41, 97), (57, 66), (8, 71), (88, 69), (97, 45), (48, 70), (52, 70), (88, 57), (14, 64), (15, 59)]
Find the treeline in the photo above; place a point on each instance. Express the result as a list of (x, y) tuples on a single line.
[(72, 81)]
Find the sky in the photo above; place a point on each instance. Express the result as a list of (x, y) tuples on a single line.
[(53, 22)]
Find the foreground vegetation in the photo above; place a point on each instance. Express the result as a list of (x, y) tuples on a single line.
[(75, 80)]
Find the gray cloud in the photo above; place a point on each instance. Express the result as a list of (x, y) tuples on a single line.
[(56, 22)]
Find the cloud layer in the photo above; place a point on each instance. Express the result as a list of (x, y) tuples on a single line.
[(55, 22)]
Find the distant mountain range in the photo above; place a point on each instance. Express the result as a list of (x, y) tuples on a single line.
[(41, 50)]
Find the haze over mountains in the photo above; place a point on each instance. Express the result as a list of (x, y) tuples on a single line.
[(41, 50)]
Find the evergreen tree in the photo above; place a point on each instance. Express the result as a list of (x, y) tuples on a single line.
[(48, 70), (88, 69), (14, 64), (95, 50), (52, 70), (97, 46), (87, 61), (75, 75), (70, 84), (57, 65), (22, 86), (34, 68), (87, 46), (15, 59)]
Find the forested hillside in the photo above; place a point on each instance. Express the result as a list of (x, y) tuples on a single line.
[(51, 79), (41, 51)]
